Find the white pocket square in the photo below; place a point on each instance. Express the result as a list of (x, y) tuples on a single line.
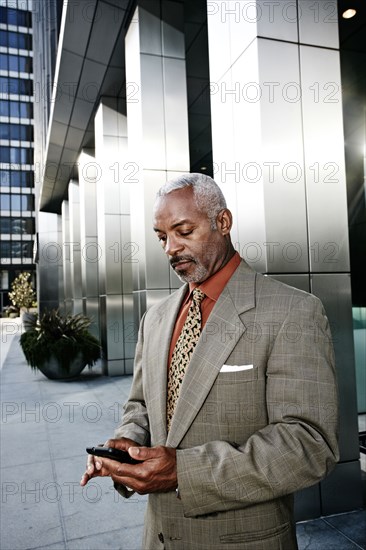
[(235, 368)]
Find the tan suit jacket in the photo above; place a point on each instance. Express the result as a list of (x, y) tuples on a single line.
[(248, 438)]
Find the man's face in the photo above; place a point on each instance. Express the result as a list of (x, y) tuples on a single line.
[(194, 249)]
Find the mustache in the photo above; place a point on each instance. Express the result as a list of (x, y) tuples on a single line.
[(174, 261)]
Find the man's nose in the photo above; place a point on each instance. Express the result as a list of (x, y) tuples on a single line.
[(173, 246)]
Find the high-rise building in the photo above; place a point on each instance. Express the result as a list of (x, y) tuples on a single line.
[(17, 205)]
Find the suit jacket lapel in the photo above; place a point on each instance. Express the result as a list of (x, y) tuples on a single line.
[(219, 336)]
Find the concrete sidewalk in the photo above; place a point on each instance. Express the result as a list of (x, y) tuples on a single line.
[(46, 426)]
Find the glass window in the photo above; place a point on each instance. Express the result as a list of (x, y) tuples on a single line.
[(13, 16), (4, 225), (25, 179), (16, 202), (3, 62), (13, 63), (17, 226), (19, 40), (26, 110), (4, 201), (4, 249), (25, 64), (10, 85), (15, 155), (4, 108), (4, 131), (21, 63), (5, 154), (4, 280), (14, 108), (3, 37), (17, 132), (4, 178)]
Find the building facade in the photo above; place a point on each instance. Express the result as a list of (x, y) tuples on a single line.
[(249, 92), (17, 206)]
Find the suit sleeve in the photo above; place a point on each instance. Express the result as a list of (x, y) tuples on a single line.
[(296, 449), (135, 422)]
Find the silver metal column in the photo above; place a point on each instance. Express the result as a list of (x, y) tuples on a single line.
[(116, 251), (157, 134), (73, 247), (49, 260), (88, 174), (278, 152), (66, 301)]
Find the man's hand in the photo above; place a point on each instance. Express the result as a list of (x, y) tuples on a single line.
[(156, 473), (97, 466)]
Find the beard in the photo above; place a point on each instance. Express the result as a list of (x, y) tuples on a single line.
[(199, 273)]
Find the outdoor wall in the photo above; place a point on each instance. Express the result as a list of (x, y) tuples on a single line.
[(278, 154), (157, 124)]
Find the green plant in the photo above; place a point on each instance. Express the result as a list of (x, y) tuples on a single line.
[(22, 294), (61, 336)]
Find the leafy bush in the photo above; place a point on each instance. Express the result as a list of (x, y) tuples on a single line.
[(22, 293), (61, 336)]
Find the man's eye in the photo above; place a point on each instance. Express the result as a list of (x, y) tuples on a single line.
[(162, 238), (184, 233)]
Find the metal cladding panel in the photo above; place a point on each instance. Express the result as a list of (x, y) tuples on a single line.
[(231, 28), (148, 17), (91, 308), (341, 491), (176, 118), (298, 281), (90, 254), (307, 503), (66, 252), (101, 232), (50, 260), (172, 29), (138, 234), (157, 268), (130, 328), (277, 20), (155, 296), (129, 254), (157, 126), (318, 23), (75, 244), (152, 108), (334, 290), (282, 168), (324, 160), (90, 250), (112, 251), (114, 327)]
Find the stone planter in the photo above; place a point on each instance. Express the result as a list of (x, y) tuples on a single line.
[(53, 370)]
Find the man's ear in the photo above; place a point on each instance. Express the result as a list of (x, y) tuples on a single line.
[(224, 221)]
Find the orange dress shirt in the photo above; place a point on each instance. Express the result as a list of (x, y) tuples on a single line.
[(212, 288)]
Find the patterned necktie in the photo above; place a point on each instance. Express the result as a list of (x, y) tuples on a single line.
[(183, 350)]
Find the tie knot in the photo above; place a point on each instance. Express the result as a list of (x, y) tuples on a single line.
[(197, 296)]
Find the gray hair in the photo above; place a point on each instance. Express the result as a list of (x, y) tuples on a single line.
[(206, 193)]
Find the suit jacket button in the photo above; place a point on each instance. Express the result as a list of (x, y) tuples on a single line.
[(161, 537)]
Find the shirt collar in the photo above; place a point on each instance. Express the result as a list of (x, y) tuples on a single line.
[(214, 285)]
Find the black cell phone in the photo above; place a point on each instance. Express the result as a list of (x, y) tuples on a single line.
[(114, 454)]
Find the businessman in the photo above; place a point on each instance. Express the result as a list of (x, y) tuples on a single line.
[(233, 405)]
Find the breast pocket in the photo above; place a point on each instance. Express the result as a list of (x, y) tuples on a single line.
[(237, 376)]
